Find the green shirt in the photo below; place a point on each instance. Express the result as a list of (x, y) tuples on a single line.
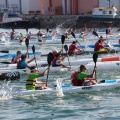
[(30, 83), (81, 76)]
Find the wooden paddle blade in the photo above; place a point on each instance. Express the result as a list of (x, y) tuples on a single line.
[(66, 48), (50, 58), (95, 57), (33, 49), (27, 42), (107, 31), (72, 33), (62, 39)]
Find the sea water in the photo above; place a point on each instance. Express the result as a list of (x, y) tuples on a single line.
[(102, 105)]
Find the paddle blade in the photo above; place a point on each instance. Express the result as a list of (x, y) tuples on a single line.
[(4, 51), (72, 33), (62, 39), (95, 57), (50, 58), (107, 31), (27, 29), (66, 48), (27, 42), (33, 49), (47, 30), (5, 62), (95, 33)]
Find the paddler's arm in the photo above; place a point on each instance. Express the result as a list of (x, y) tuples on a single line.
[(31, 60), (91, 76), (44, 73)]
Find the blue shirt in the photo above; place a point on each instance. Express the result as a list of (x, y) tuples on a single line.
[(23, 64)]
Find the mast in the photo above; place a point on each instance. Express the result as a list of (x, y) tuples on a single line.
[(6, 3), (20, 3), (109, 2)]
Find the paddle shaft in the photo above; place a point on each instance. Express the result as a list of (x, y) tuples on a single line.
[(47, 77)]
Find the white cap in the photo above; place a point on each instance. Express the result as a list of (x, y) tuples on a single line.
[(54, 50)]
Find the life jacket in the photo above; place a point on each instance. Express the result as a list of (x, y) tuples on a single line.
[(74, 80), (30, 83)]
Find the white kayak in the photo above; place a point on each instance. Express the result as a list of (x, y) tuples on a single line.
[(100, 65), (73, 61), (67, 88)]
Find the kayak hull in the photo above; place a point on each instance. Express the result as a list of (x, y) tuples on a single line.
[(107, 85)]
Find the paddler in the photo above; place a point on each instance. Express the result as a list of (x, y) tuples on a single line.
[(32, 83), (55, 52), (57, 61), (16, 58), (82, 77), (22, 64), (73, 50), (99, 45)]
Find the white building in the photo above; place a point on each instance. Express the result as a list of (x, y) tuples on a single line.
[(23, 6)]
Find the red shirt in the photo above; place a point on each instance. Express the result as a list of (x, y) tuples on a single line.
[(98, 46), (72, 47)]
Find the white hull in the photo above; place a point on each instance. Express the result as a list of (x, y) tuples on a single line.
[(109, 84), (100, 65)]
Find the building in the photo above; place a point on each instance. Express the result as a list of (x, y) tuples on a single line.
[(21, 6), (67, 7)]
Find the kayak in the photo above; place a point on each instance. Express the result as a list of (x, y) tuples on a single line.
[(92, 45), (67, 88), (73, 61), (8, 55), (100, 65)]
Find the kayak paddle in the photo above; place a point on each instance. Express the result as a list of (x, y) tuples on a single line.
[(33, 49), (27, 29), (5, 62), (66, 49), (62, 41), (73, 34), (4, 51), (95, 57), (27, 45), (49, 60), (95, 33), (107, 32)]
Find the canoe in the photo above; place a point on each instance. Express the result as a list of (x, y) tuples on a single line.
[(67, 88), (100, 66)]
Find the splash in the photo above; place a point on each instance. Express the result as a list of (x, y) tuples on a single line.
[(5, 90), (59, 87)]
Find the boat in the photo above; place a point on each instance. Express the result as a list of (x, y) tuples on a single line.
[(90, 65), (66, 88), (8, 55), (100, 16), (10, 20)]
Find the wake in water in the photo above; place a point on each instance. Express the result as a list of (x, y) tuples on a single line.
[(5, 90)]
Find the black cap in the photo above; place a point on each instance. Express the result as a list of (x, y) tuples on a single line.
[(33, 68), (73, 42), (23, 56), (82, 67)]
